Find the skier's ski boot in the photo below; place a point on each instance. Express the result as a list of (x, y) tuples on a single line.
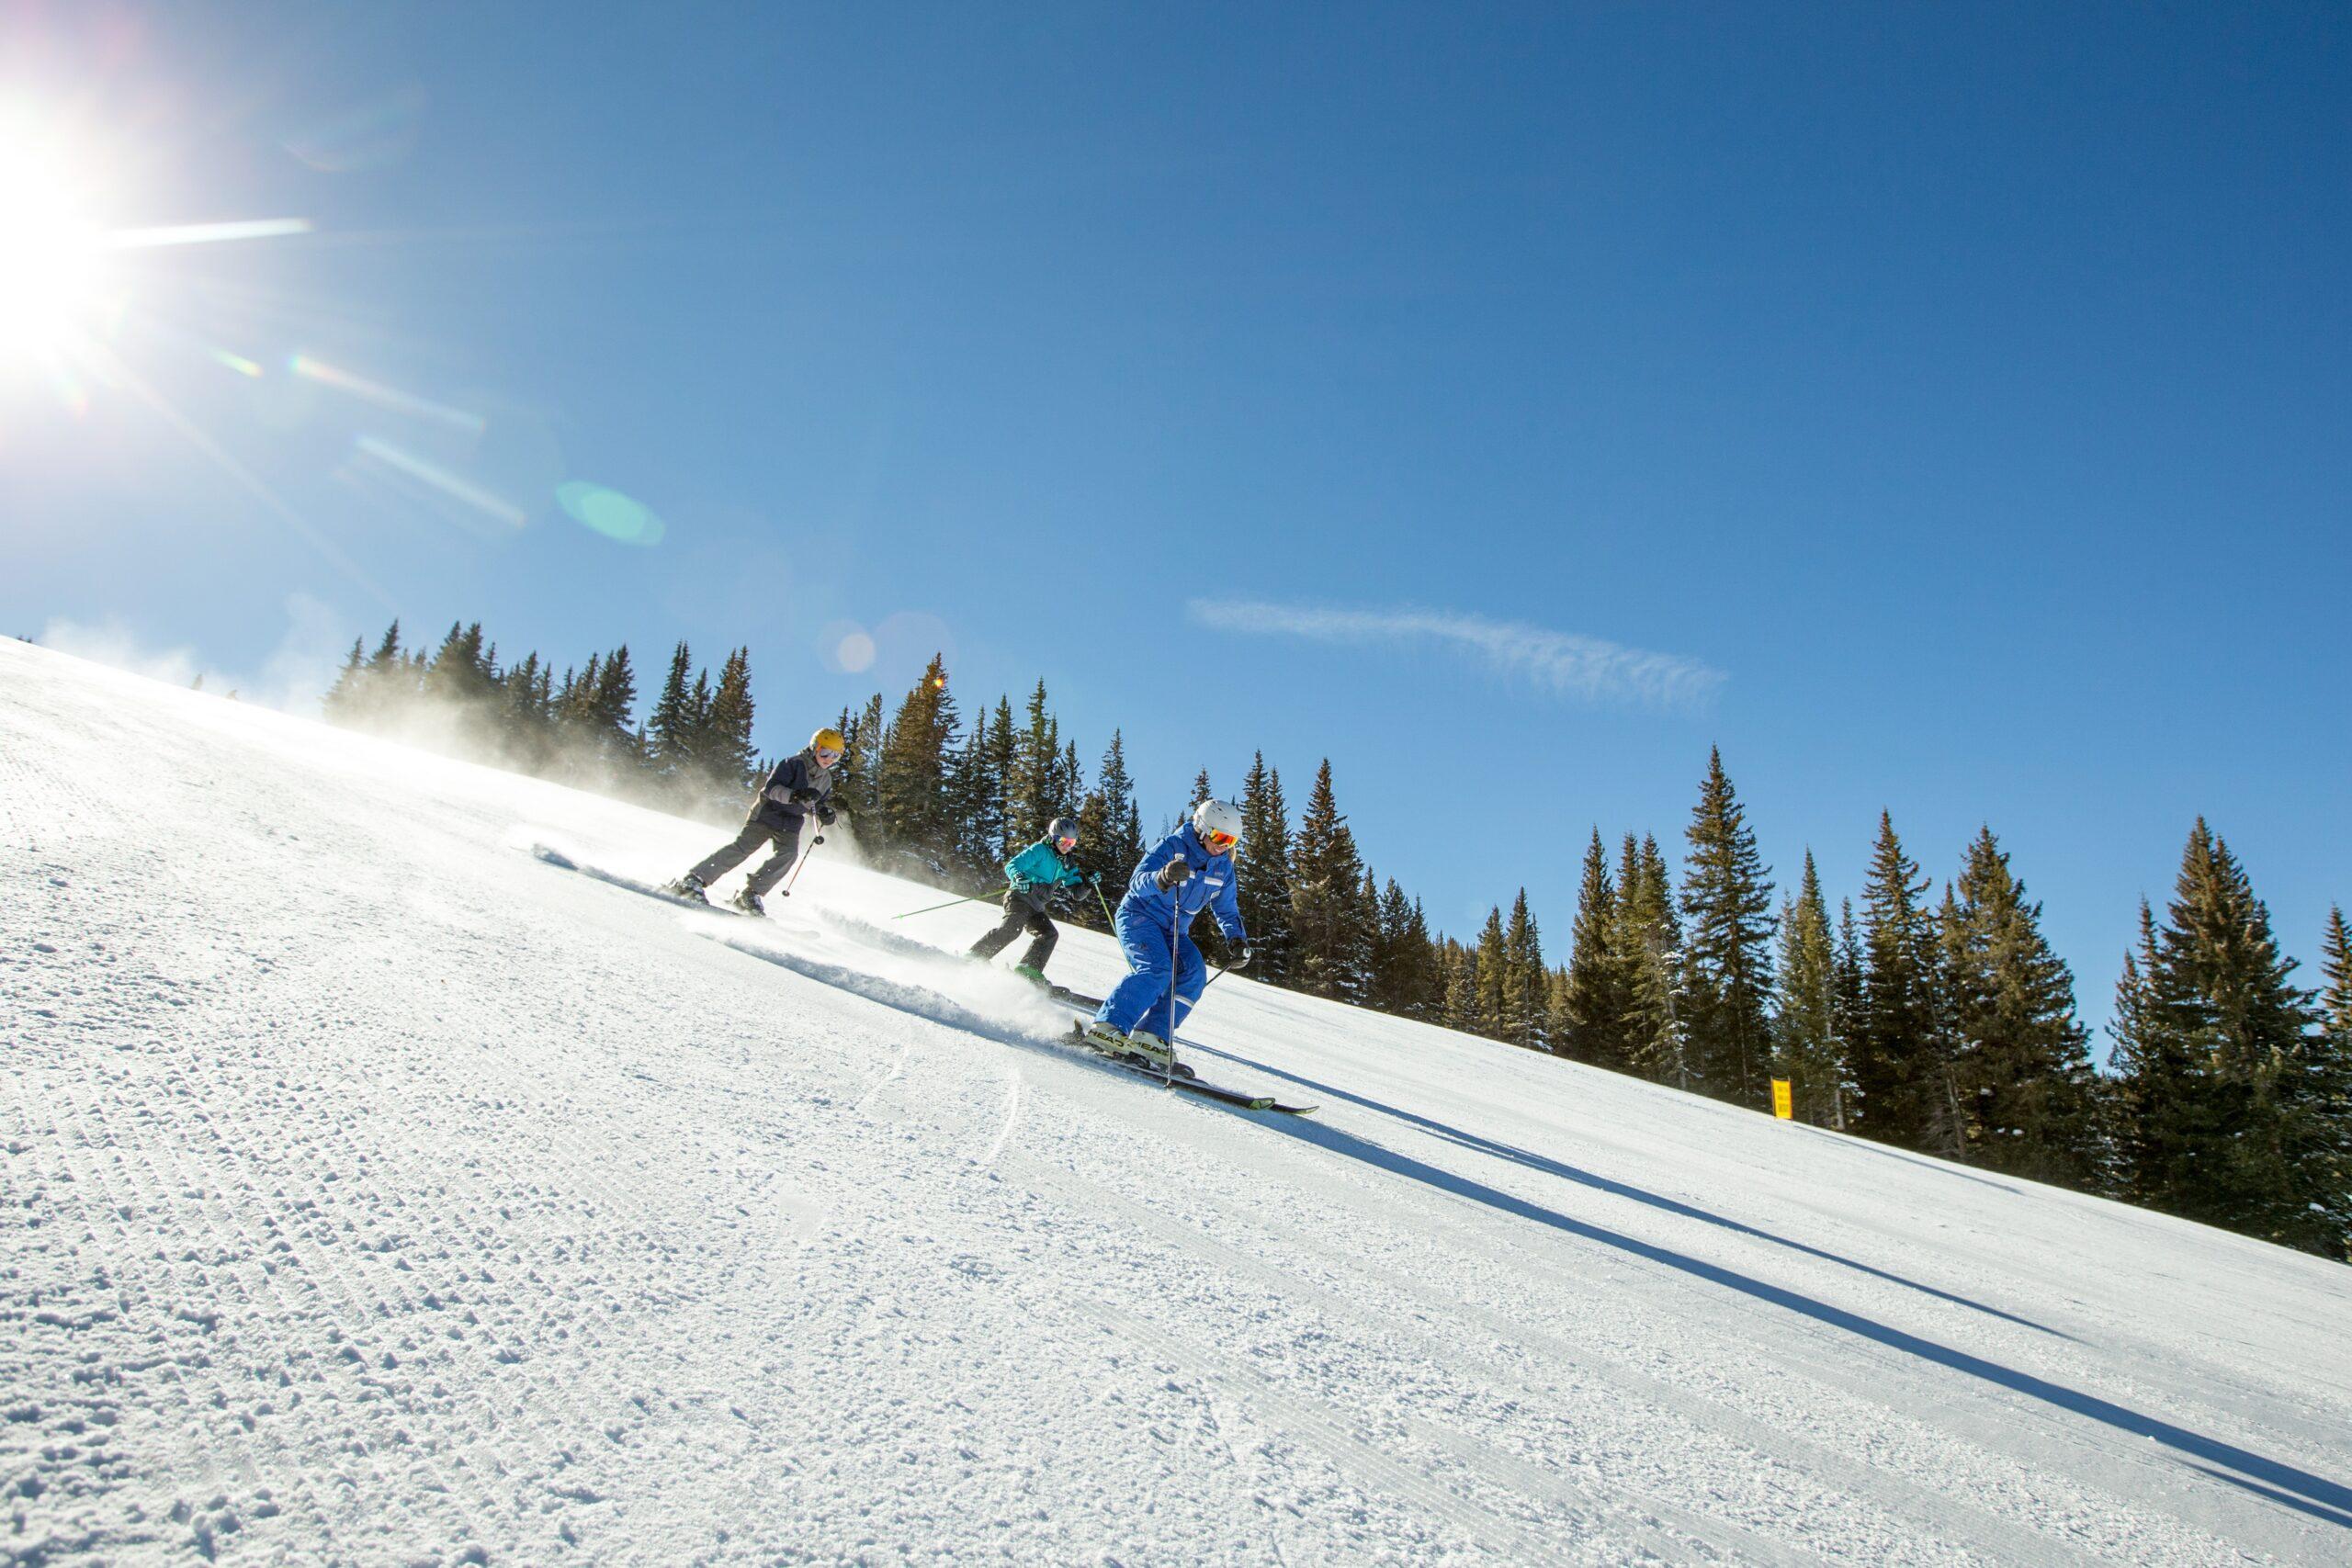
[(1100, 1036), (747, 902), (1034, 975), (1142, 1049), (687, 886), (1149, 1048)]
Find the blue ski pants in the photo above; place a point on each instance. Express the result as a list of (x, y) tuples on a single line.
[(1140, 1002)]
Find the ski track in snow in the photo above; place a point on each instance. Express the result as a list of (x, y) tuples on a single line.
[(392, 1175)]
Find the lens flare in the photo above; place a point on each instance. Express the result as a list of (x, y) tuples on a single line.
[(393, 398), (608, 511), (204, 233), (437, 478)]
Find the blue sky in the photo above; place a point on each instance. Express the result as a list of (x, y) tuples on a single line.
[(1941, 409)]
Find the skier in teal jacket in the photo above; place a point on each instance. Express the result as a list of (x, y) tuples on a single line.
[(1031, 878)]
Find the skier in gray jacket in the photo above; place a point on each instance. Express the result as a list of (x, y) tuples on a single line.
[(797, 789)]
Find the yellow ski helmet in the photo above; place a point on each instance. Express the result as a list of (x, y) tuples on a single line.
[(828, 740)]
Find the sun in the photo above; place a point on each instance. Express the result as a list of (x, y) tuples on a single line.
[(53, 250)]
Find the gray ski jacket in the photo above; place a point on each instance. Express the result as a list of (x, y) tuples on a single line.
[(797, 787)]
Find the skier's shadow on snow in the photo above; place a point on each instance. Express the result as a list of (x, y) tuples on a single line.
[(2272, 1479), (1566, 1172)]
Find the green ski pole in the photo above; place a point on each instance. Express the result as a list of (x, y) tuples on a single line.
[(949, 905)]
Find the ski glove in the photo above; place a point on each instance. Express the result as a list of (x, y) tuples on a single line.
[(825, 814), (1174, 874), (807, 797), (1247, 953)]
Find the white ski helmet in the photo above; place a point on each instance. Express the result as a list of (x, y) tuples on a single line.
[(1215, 819)]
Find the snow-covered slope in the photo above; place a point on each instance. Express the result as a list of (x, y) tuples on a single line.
[(377, 1191)]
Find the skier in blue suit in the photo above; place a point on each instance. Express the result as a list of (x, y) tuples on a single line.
[(1189, 871)]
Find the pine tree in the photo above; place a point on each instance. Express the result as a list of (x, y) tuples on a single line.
[(1525, 980), (2152, 1089), (1649, 948), (598, 714), (671, 723), (457, 675), (1201, 790), (1846, 997), (724, 747), (914, 814), (1597, 1000), (2215, 1091), (342, 702), (1109, 828), (1493, 958), (857, 783), (1326, 874), (1894, 1072), (1265, 893), (527, 722), (2319, 1101), (1807, 1049), (1461, 1005), (1557, 1024), (975, 807), (1949, 1057), (1032, 754), (387, 651), (1727, 962), (1069, 780), (1375, 991), (2033, 1094), (1410, 978)]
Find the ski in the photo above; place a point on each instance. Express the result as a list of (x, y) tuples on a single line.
[(557, 858), (1075, 999), (1190, 1084)]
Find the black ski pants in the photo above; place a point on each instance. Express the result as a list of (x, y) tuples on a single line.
[(1022, 910), (757, 831)]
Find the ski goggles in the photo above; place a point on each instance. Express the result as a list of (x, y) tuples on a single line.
[(1221, 842), (826, 756)]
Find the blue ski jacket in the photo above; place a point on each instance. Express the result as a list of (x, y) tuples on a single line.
[(1040, 866), (1211, 886)]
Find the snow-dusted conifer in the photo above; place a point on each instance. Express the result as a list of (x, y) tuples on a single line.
[(1727, 956)]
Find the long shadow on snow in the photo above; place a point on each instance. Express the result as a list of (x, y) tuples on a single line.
[(918, 1001), (2269, 1479), (907, 998), (1549, 1167)]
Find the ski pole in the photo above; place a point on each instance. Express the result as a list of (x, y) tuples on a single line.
[(798, 865), (933, 908), (1108, 920), (1175, 936)]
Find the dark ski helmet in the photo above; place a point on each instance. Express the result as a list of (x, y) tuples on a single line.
[(1062, 829)]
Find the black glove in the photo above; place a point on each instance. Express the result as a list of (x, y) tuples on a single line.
[(825, 814), (1174, 874), (804, 796), (1247, 953)]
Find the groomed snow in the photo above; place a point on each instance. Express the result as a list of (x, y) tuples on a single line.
[(378, 1190)]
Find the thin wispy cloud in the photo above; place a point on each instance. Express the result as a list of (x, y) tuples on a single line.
[(1566, 664)]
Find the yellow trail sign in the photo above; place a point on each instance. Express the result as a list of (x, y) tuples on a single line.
[(1781, 1099)]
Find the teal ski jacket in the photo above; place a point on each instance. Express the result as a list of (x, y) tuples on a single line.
[(1041, 865)]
